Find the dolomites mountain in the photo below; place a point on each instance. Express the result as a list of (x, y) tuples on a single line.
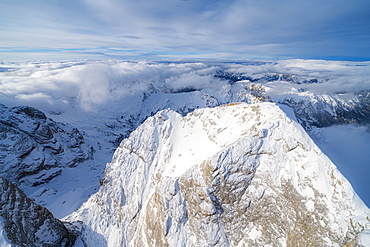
[(234, 175)]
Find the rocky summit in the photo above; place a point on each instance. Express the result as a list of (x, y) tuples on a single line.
[(234, 175)]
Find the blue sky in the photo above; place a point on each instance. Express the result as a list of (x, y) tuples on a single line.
[(173, 29)]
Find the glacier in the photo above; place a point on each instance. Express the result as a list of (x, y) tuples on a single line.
[(233, 175)]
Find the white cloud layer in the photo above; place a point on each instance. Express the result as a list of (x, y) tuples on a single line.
[(55, 85)]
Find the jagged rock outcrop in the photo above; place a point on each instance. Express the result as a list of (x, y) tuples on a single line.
[(27, 223), (34, 148), (235, 175)]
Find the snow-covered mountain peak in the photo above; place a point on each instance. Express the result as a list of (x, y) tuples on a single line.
[(234, 175), (196, 137)]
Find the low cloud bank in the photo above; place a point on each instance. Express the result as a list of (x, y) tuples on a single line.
[(55, 85)]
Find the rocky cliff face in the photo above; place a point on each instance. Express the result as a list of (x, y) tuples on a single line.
[(235, 175), (26, 223), (34, 148)]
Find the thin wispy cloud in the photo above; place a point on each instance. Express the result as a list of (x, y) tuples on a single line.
[(212, 28)]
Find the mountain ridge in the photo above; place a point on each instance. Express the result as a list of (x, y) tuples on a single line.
[(151, 208), (34, 148)]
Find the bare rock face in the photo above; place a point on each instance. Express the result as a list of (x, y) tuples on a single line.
[(34, 149), (235, 175), (27, 223)]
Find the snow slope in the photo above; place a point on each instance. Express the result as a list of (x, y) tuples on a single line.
[(240, 174)]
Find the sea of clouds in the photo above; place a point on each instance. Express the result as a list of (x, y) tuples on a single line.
[(54, 85)]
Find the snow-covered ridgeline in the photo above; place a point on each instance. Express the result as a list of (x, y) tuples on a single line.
[(230, 175)]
